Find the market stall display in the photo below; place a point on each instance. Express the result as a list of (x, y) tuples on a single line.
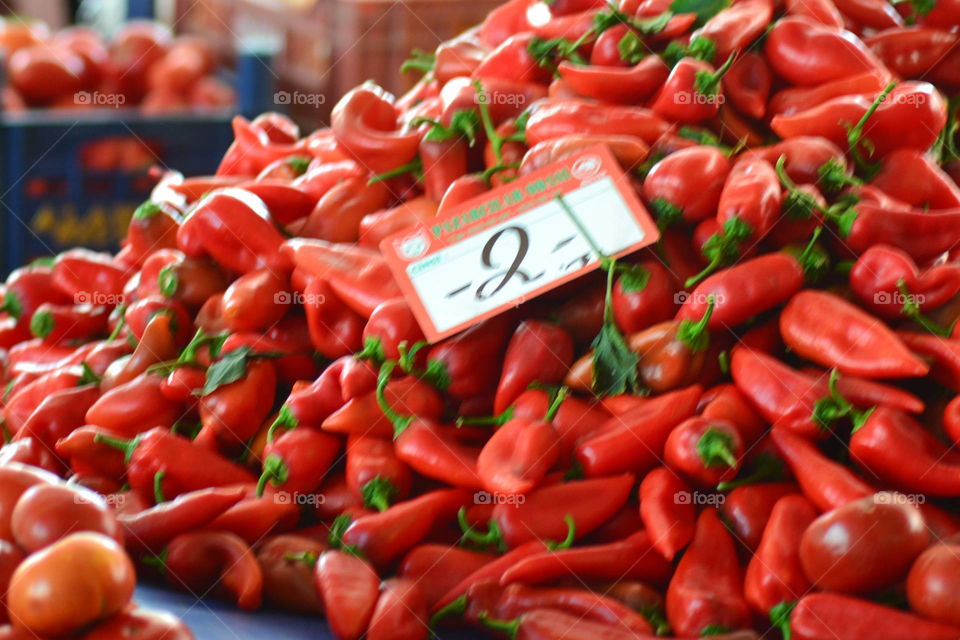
[(624, 322)]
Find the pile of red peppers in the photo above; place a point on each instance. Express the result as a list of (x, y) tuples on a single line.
[(748, 429)]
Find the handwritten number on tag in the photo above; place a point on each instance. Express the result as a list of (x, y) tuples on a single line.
[(503, 277)]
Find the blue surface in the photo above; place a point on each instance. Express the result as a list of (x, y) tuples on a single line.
[(215, 620)]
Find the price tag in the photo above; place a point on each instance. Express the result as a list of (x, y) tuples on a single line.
[(518, 241)]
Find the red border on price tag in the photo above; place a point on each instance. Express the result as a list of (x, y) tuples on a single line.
[(499, 206)]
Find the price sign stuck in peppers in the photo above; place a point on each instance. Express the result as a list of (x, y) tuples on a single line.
[(518, 241)]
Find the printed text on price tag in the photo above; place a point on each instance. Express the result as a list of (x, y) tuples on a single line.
[(517, 241)]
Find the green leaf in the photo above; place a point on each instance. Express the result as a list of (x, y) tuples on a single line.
[(653, 24), (230, 368), (705, 9), (419, 60), (714, 630), (614, 363)]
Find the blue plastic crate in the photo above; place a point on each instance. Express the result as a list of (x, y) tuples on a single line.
[(51, 200)]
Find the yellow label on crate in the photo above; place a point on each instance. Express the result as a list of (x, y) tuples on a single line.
[(97, 226)]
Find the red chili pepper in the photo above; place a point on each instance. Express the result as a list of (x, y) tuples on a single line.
[(200, 560), (470, 360), (554, 118), (909, 118), (319, 179), (516, 599), (796, 99), (366, 124), (951, 420), (922, 234), (726, 402), (383, 537), (235, 410), (706, 589), (643, 295), (896, 449), (691, 94), (153, 528), (24, 400), (750, 287), (910, 51), (360, 277), (736, 27), (337, 216), (458, 57), (153, 226), (297, 461), (32, 453), (432, 451), (667, 511), (81, 271), (550, 624), (674, 189), (349, 588), (574, 420), (631, 558), (134, 407), (888, 281), (544, 512), (86, 456), (747, 508), (915, 178), (401, 612), (56, 324), (807, 53), (775, 574), (823, 12), (617, 85), (803, 157), (852, 341), (374, 472), (517, 457), (822, 615), (827, 484), (706, 451), (234, 227), (748, 83), (256, 300), (634, 441), (287, 204), (391, 324), (335, 330), (438, 568), (512, 59), (537, 352), (365, 415), (254, 518), (158, 458), (462, 189), (58, 414)]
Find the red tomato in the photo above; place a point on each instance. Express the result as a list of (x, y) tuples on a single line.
[(81, 579), (137, 47), (15, 479), (48, 512), (42, 73), (87, 44), (864, 545), (933, 586)]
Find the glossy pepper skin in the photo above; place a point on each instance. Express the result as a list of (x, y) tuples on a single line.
[(830, 613), (853, 341), (887, 279), (897, 449), (775, 574), (365, 123), (915, 178), (667, 511), (707, 451), (910, 118), (807, 53), (199, 561), (537, 352), (349, 588), (689, 180), (706, 588)]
